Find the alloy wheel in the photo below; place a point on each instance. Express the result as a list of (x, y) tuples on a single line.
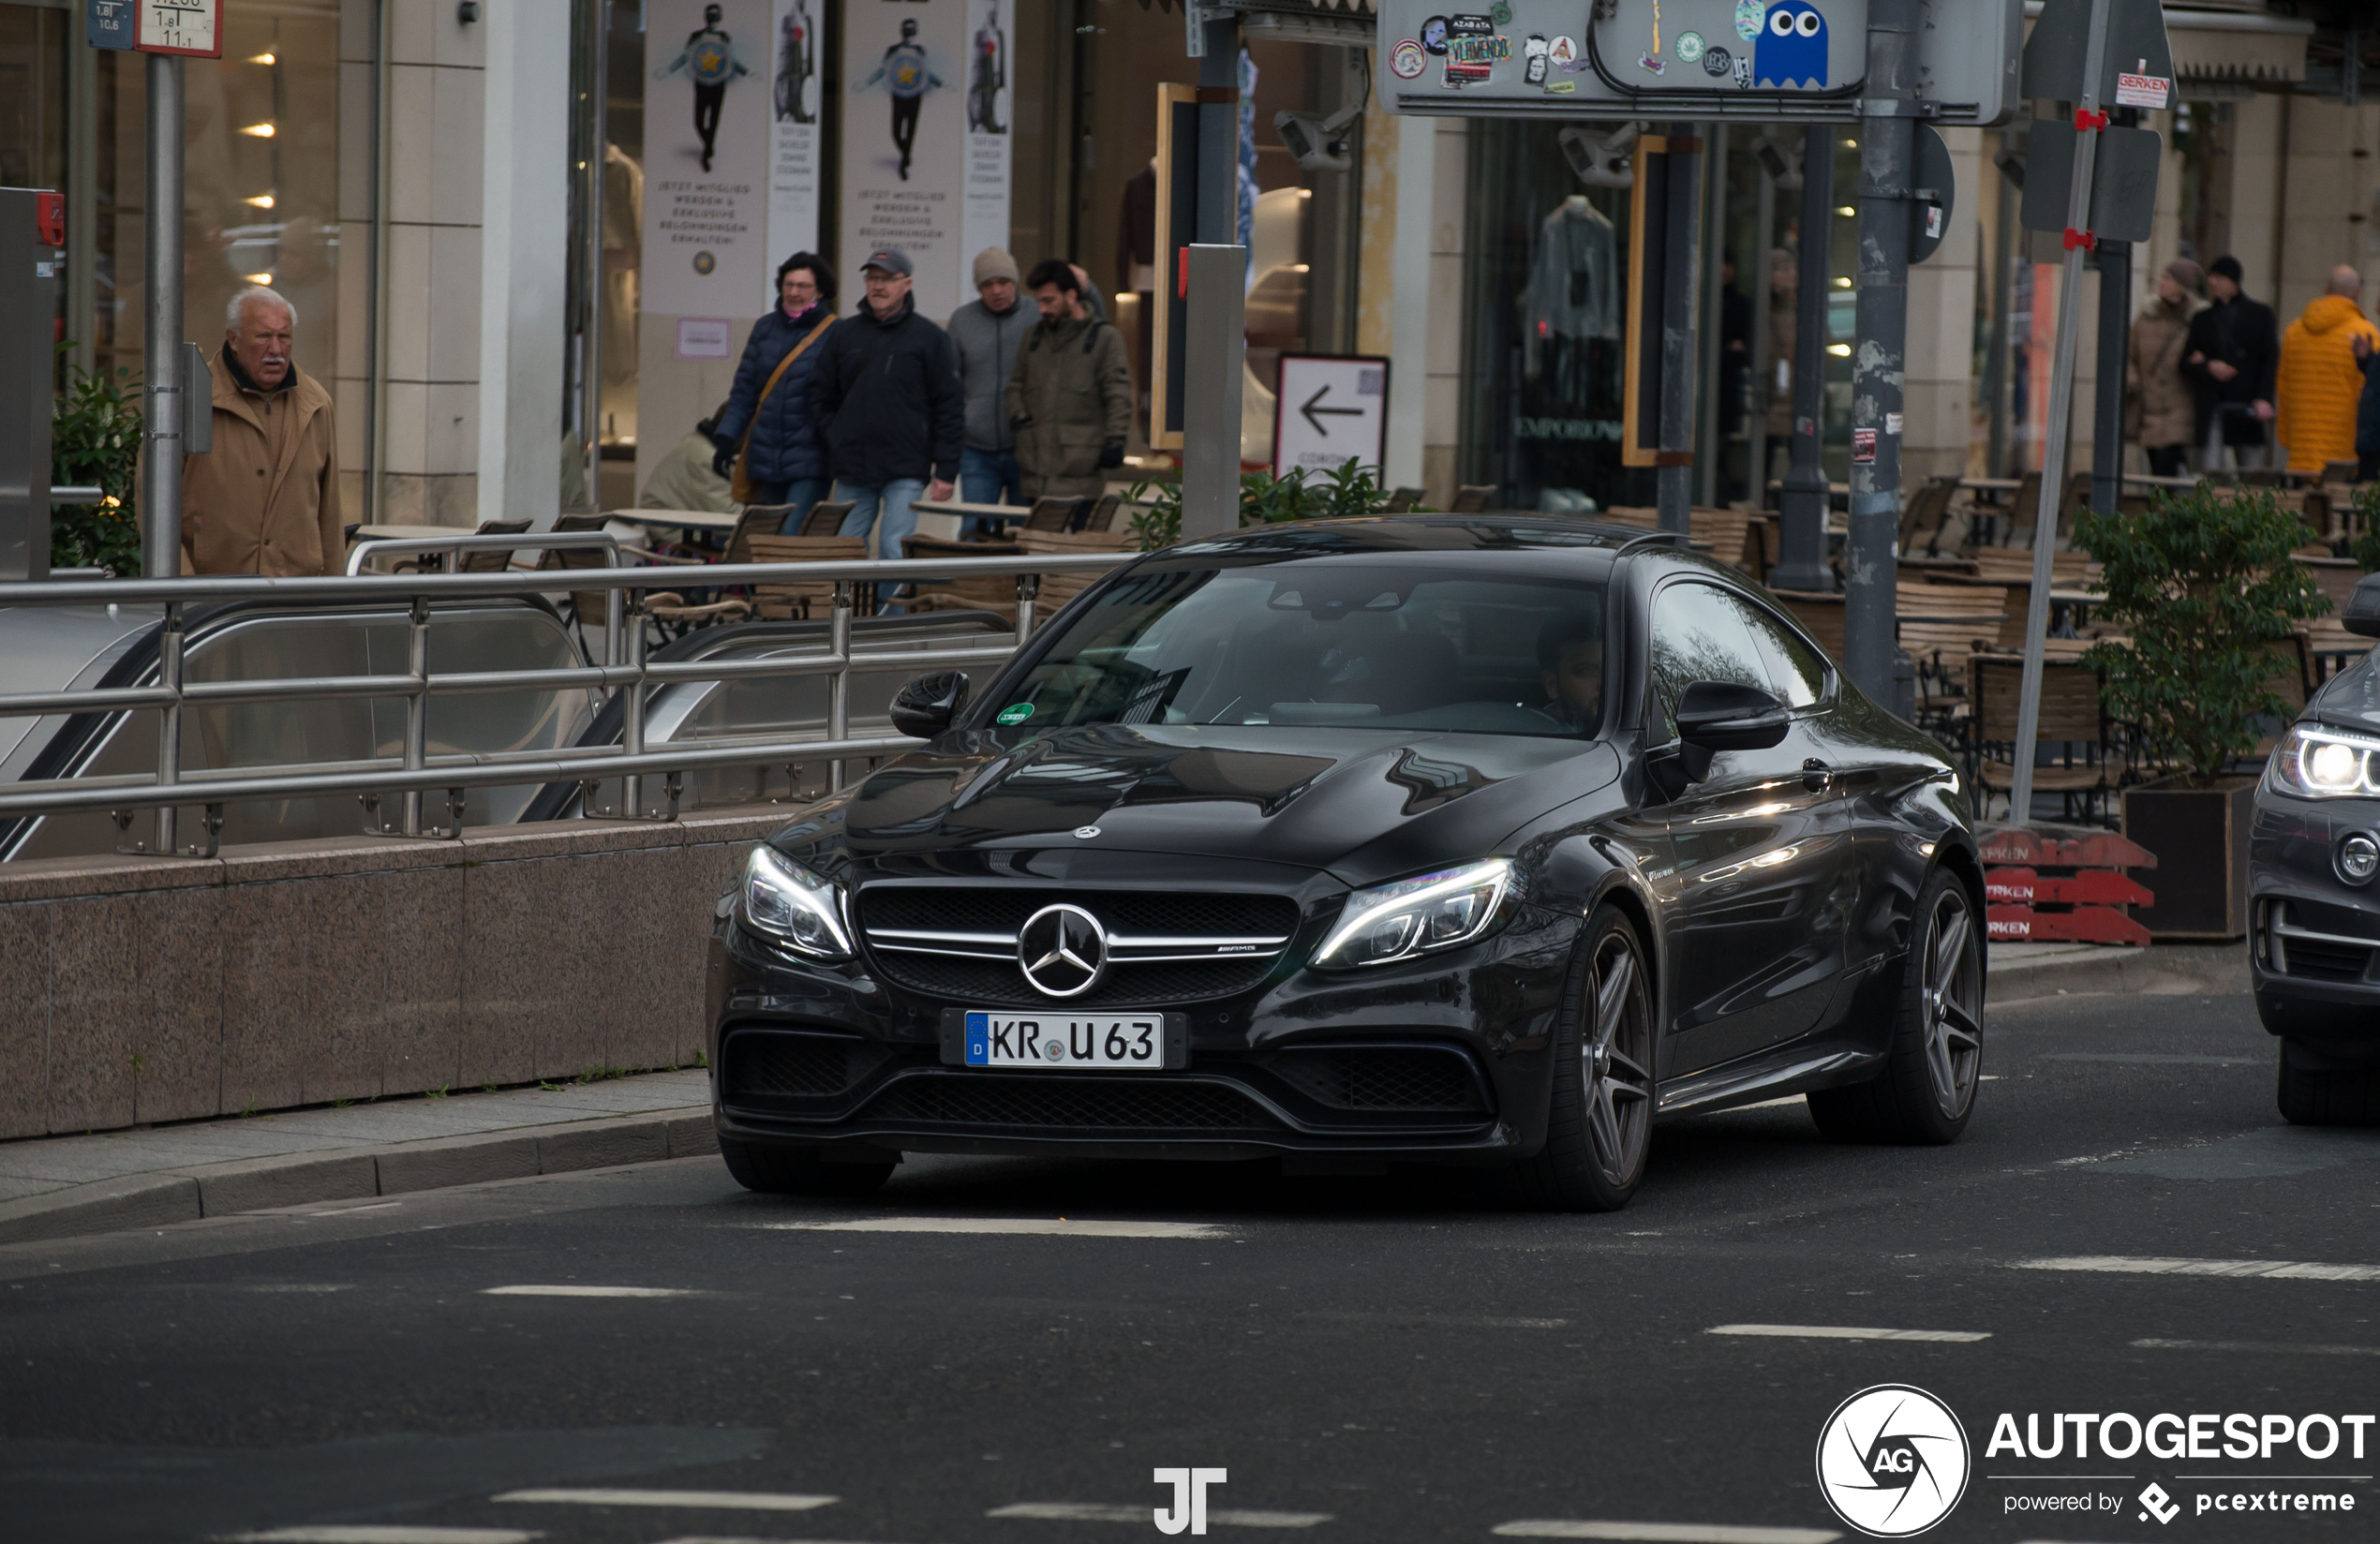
[(1953, 1003), (1618, 1056)]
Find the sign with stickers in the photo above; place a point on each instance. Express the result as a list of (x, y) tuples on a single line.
[(1789, 61), (180, 26)]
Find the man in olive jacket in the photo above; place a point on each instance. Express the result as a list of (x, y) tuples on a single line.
[(265, 499), (1070, 399)]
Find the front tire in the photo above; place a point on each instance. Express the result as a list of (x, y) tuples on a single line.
[(1925, 1091), (781, 1171), (1601, 1127), (2335, 1096)]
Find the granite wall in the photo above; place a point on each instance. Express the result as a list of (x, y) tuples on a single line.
[(136, 990)]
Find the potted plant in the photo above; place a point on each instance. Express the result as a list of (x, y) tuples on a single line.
[(1346, 492), (2205, 586)]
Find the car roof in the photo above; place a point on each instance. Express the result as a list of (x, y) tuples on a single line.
[(1422, 533)]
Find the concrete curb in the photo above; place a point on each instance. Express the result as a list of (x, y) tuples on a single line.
[(394, 1169), (2165, 969)]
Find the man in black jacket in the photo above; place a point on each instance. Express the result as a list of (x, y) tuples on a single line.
[(885, 394), (2232, 352)]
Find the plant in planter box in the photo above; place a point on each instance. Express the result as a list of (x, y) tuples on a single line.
[(94, 441), (2205, 586)]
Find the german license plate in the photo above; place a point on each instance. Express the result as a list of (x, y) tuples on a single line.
[(1111, 1042)]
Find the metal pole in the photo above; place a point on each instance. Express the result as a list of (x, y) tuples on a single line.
[(632, 732), (417, 714), (1211, 387), (161, 343), (1801, 558), (1028, 591), (2114, 263), (2061, 402), (1886, 149), (1674, 478), (1707, 446), (170, 719), (1218, 223), (839, 684), (2003, 289), (1764, 364)]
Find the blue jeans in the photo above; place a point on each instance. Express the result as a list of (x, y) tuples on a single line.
[(899, 524), (989, 477), (801, 493)]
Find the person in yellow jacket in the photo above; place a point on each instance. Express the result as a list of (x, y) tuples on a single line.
[(2320, 379), (266, 498)]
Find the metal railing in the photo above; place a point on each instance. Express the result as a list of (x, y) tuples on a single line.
[(625, 671)]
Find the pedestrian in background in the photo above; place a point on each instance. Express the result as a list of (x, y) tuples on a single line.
[(1070, 400), (885, 395), (265, 499), (988, 332), (2234, 348), (2321, 379), (2159, 408), (768, 439), (2368, 411), (687, 477)]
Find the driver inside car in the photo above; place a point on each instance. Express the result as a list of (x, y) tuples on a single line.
[(1569, 652)]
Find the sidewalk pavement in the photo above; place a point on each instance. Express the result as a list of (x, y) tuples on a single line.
[(57, 1186), (51, 1187)]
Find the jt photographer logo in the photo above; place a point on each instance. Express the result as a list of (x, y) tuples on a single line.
[(1189, 1509), (1892, 1461)]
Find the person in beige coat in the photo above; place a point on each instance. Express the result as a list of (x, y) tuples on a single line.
[(265, 499), (1069, 396), (2160, 406)]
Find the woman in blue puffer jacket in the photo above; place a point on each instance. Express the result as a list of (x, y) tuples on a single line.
[(784, 460)]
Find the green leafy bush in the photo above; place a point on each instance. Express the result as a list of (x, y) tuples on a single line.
[(2206, 587), (94, 439), (1349, 491), (2366, 551)]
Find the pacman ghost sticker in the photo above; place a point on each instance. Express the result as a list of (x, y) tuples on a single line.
[(1791, 50)]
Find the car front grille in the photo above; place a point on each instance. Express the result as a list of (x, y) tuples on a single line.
[(2298, 941), (1436, 1078), (766, 1065), (958, 943), (1077, 1103)]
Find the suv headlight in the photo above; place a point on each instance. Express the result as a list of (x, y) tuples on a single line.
[(1414, 916), (782, 900), (2315, 763)]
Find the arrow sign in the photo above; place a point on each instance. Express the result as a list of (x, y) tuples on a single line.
[(1310, 409)]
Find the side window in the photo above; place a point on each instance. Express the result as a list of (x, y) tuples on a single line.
[(1799, 672), (1699, 634)]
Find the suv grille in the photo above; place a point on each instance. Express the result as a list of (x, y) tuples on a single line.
[(1073, 1101), (1384, 1077)]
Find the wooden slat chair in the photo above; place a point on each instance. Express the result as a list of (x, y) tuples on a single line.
[(985, 593), (1403, 501), (2071, 713), (1941, 627), (1472, 497), (587, 605), (1926, 512), (1644, 516), (2336, 577), (1059, 589), (2015, 566), (494, 561), (827, 517), (1099, 515), (1727, 534), (1821, 614), (777, 601), (1051, 514)]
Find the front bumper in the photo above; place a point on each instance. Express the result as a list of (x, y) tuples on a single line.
[(1446, 1058), (2313, 942)]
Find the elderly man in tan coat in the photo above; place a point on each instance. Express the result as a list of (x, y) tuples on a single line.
[(266, 498)]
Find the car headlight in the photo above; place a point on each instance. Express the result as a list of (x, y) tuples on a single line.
[(782, 900), (2313, 763), (1414, 916)]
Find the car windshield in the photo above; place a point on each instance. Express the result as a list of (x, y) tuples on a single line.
[(1359, 643)]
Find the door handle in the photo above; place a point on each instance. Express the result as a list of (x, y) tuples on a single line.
[(1816, 775)]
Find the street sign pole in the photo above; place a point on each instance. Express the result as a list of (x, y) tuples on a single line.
[(1673, 481), (163, 409), (1886, 152), (1801, 556), (2088, 120)]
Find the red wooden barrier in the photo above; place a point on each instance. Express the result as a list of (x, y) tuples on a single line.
[(2082, 905)]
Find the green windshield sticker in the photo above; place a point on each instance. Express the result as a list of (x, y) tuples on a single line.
[(1017, 714)]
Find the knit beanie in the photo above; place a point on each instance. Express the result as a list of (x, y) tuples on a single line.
[(992, 264)]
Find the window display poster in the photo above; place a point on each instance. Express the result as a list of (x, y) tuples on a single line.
[(794, 93), (925, 140), (706, 157)]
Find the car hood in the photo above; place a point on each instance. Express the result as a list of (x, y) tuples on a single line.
[(2350, 699), (1363, 804)]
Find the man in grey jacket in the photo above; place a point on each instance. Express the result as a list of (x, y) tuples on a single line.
[(988, 332)]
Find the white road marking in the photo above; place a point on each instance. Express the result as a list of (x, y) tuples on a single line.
[(1082, 1228), (742, 1501), (2149, 1265), (574, 1291), (373, 1533), (1425, 1319), (1092, 1511), (1662, 1533), (296, 1286), (2155, 1058), (1845, 1332), (343, 1211), (2258, 1347)]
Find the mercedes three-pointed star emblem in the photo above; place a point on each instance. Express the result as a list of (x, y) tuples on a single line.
[(1063, 950)]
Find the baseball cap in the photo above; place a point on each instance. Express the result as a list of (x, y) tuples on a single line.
[(892, 259)]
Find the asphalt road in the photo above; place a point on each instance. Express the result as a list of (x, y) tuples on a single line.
[(1368, 1360)]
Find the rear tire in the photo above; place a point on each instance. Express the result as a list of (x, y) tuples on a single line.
[(1926, 1091), (781, 1171), (1600, 1126), (2310, 1096)]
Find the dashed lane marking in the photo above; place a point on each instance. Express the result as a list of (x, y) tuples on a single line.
[(742, 1501), (1843, 1332), (372, 1533), (1090, 1511), (2156, 1058), (1081, 1227), (2259, 1347), (1662, 1533), (573, 1290), (2149, 1265)]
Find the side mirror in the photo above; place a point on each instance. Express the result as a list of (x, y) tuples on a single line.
[(2362, 613), (1716, 716), (925, 707)]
